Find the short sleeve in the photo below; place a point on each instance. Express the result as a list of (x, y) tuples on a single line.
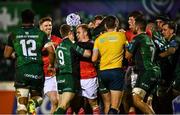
[(96, 44), (132, 47)]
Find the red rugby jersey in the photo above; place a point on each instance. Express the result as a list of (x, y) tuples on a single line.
[(56, 40)]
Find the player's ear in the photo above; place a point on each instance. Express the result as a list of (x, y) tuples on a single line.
[(171, 31), (85, 32), (40, 27), (105, 26)]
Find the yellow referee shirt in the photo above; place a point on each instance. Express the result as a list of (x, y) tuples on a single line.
[(111, 48)]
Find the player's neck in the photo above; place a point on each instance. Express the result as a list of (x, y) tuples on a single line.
[(111, 30), (140, 32), (27, 24), (85, 39)]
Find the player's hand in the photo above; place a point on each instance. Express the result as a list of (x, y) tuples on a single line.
[(51, 70)]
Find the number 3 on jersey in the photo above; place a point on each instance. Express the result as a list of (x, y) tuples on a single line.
[(28, 47), (61, 57)]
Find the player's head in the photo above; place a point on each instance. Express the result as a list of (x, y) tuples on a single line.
[(169, 29), (111, 22), (160, 20), (45, 25), (132, 16), (66, 31), (27, 16), (83, 32), (140, 25), (97, 20)]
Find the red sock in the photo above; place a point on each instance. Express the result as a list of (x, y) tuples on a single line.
[(69, 111), (96, 111), (132, 113), (81, 111)]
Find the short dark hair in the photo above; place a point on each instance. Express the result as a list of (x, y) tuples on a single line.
[(111, 22), (141, 22), (27, 16), (98, 17), (64, 30), (136, 14), (47, 18), (171, 25), (164, 18)]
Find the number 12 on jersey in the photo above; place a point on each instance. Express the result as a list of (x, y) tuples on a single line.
[(28, 47)]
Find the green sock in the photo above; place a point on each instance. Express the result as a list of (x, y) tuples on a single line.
[(60, 111)]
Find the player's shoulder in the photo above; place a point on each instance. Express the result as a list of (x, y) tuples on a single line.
[(55, 38)]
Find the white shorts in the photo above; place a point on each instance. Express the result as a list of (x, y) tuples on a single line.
[(50, 84), (89, 88)]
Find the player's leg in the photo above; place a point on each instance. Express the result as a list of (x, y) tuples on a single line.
[(35, 101), (106, 97), (50, 89), (22, 100), (67, 88), (138, 96), (116, 98), (145, 84), (53, 97), (65, 102), (36, 84), (116, 86), (89, 90), (104, 92)]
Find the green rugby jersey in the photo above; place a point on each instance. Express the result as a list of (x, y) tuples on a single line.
[(143, 50), (27, 43), (159, 41), (65, 56)]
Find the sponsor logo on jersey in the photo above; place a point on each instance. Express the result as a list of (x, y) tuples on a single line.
[(32, 76)]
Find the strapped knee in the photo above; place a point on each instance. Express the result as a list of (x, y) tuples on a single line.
[(22, 99), (139, 91)]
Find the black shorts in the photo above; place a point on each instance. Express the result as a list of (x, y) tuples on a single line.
[(111, 79)]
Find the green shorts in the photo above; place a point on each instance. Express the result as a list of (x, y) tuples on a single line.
[(147, 80), (67, 83), (30, 76)]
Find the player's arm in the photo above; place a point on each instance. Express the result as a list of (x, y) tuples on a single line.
[(130, 48), (168, 52), (84, 52), (51, 55), (51, 52), (128, 56), (95, 55), (49, 46), (8, 51), (87, 53), (173, 45)]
